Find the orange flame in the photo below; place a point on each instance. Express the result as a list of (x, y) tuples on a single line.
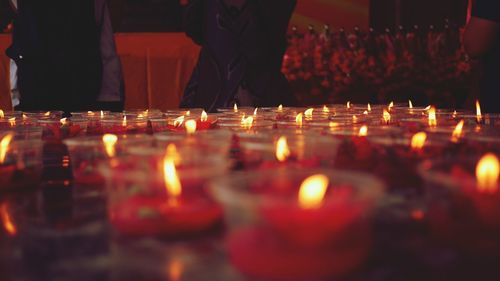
[(204, 116), (179, 121), (432, 117), (172, 153), (190, 126), (8, 223), (12, 121), (172, 182), (348, 105), (369, 108), (102, 114), (247, 122), (4, 146), (299, 120), (63, 121), (410, 104), (282, 149), (391, 105), (354, 119), (365, 112), (427, 108), (188, 113), (235, 108), (363, 131), (280, 108), (124, 122), (418, 141), (309, 113), (387, 117), (457, 132), (90, 113), (312, 191), (175, 269), (255, 111), (2, 114), (479, 116), (47, 113), (110, 141), (487, 173), (326, 109)]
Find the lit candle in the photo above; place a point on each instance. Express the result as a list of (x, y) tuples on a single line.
[(457, 132), (7, 222), (190, 127), (282, 149), (432, 117), (418, 141), (479, 116), (363, 131), (109, 141)]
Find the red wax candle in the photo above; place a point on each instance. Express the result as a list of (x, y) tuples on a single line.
[(210, 123)]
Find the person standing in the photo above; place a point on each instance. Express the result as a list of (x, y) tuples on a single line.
[(243, 44), (482, 41), (66, 56)]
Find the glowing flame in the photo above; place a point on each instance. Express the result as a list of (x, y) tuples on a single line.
[(312, 191), (179, 121), (418, 141), (47, 113), (309, 113), (457, 132), (255, 111), (172, 182), (369, 108), (102, 114), (387, 117), (363, 131), (479, 116), (190, 126), (280, 108), (25, 116), (204, 116), (487, 173), (90, 113), (432, 117), (247, 122), (333, 125), (282, 149), (4, 146), (63, 121), (454, 115), (124, 122), (354, 119), (391, 105), (2, 114), (110, 141), (348, 105), (188, 113), (140, 115), (365, 112), (326, 109), (410, 104), (172, 153), (235, 108), (299, 120), (8, 224), (12, 121)]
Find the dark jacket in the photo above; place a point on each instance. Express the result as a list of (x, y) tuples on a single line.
[(241, 51)]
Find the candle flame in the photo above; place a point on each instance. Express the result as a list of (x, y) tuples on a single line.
[(204, 116), (255, 111), (247, 122), (312, 191), (4, 146), (25, 116), (12, 121), (2, 114), (391, 105), (309, 113), (63, 121), (369, 108), (172, 153), (479, 116), (326, 109), (172, 182), (90, 113), (410, 104), (179, 121), (110, 141), (418, 141), (235, 108), (387, 117), (432, 117), (427, 108), (348, 105), (102, 114), (457, 132), (354, 119), (363, 131), (47, 113), (365, 112), (280, 108), (333, 125), (188, 113), (487, 173), (190, 126), (140, 115), (454, 115), (299, 120), (124, 122), (282, 149), (8, 223)]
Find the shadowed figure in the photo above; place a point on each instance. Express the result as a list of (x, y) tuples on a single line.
[(243, 43)]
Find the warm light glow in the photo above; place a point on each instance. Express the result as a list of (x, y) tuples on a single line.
[(387, 117), (140, 115), (255, 111), (173, 154), (432, 117), (110, 141), (391, 105), (410, 104), (282, 149), (457, 133), (365, 112), (312, 191), (204, 116), (172, 181), (235, 108), (309, 113), (363, 131), (326, 109), (25, 116), (7, 222), (4, 146), (90, 113), (247, 122), (299, 119), (348, 105), (12, 121), (454, 115), (179, 121), (188, 113), (63, 121), (124, 122), (487, 173), (175, 269), (102, 114), (190, 126), (280, 108), (418, 141), (369, 108), (354, 119), (47, 113), (479, 116), (2, 114)]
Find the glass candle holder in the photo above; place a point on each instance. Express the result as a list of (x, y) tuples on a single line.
[(20, 164), (60, 129), (54, 114), (274, 233), (26, 132), (121, 126)]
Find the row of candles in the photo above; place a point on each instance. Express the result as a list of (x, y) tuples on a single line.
[(299, 188)]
